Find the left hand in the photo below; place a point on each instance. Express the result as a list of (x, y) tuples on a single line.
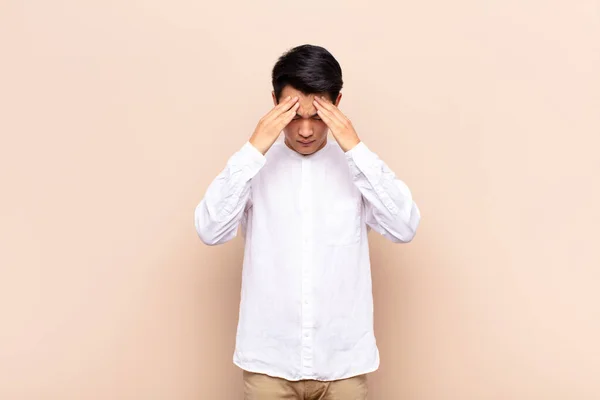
[(341, 128)]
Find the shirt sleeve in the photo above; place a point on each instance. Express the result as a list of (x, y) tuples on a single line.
[(228, 197), (390, 209)]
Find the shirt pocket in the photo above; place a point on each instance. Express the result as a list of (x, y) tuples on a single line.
[(343, 222)]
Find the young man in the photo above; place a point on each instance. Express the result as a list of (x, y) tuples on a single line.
[(305, 206)]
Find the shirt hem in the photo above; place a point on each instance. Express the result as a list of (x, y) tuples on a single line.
[(265, 371)]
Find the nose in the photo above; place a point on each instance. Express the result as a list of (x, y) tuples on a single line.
[(305, 130)]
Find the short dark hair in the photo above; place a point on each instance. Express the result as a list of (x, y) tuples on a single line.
[(309, 69)]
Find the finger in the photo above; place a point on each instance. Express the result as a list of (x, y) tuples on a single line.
[(330, 107), (333, 123), (287, 116), (333, 109), (288, 101), (329, 115), (283, 106), (279, 109)]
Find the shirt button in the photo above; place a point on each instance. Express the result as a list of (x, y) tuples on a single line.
[(306, 334)]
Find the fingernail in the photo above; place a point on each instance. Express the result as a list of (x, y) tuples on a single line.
[(287, 98)]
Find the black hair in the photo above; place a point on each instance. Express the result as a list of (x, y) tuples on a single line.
[(309, 69)]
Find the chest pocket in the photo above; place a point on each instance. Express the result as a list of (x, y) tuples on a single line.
[(343, 222)]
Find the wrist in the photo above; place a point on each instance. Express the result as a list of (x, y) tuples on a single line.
[(257, 146), (347, 146)]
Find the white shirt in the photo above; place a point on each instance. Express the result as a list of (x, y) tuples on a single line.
[(306, 309)]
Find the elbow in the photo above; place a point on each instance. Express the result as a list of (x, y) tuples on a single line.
[(408, 227), (206, 238), (406, 236), (203, 230), (213, 231)]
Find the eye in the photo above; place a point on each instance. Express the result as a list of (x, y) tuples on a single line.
[(314, 118)]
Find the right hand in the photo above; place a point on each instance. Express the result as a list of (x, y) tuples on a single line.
[(270, 126)]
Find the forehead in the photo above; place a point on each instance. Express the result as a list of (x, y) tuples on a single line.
[(304, 98), (307, 109)]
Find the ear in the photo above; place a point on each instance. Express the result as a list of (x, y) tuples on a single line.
[(274, 98), (337, 101)]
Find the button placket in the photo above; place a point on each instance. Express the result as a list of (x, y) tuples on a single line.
[(307, 313)]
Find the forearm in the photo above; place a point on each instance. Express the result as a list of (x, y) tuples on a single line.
[(391, 208), (218, 214)]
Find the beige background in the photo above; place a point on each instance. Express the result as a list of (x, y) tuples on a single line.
[(116, 115)]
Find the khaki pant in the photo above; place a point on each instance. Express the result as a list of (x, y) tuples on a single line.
[(264, 387)]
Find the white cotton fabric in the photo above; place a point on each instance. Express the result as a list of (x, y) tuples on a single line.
[(306, 309)]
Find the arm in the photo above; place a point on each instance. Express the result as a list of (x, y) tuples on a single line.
[(219, 213), (390, 209), (228, 197)]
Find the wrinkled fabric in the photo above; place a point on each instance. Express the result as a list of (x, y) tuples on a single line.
[(306, 309), (264, 387)]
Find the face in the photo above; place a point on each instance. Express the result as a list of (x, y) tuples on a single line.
[(306, 133)]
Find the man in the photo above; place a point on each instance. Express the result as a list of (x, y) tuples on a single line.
[(305, 206)]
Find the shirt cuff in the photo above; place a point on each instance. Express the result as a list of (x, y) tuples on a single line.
[(249, 159), (359, 158)]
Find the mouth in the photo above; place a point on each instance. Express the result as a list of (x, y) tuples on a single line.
[(306, 143)]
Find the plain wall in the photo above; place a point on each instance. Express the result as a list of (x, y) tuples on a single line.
[(116, 115)]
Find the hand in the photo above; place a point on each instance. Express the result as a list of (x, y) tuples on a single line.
[(270, 126), (341, 128)]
